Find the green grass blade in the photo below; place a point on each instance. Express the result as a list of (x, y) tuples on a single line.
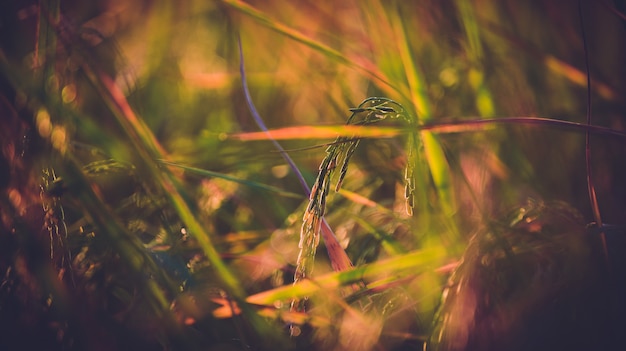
[(361, 64), (250, 183), (412, 263), (145, 143), (476, 77), (433, 151), (149, 149)]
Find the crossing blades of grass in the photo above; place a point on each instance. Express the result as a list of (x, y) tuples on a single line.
[(402, 265)]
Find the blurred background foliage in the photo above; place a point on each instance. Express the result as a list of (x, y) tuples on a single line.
[(133, 215)]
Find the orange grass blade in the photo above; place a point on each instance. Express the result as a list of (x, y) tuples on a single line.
[(440, 127), (228, 309), (320, 132)]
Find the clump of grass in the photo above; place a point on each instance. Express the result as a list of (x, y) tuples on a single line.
[(135, 202), (526, 282)]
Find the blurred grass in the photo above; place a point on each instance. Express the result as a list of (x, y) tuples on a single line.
[(158, 248)]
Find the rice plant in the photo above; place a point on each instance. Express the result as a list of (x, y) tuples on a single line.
[(201, 175)]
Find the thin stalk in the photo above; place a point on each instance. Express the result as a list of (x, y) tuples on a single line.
[(590, 185), (595, 207)]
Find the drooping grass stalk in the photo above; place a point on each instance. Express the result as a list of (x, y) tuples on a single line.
[(370, 111), (432, 149), (338, 257)]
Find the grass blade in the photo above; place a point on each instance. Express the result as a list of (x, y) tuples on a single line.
[(411, 263), (320, 132), (250, 183), (361, 64), (433, 152)]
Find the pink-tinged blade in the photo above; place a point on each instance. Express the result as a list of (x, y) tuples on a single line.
[(339, 260)]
